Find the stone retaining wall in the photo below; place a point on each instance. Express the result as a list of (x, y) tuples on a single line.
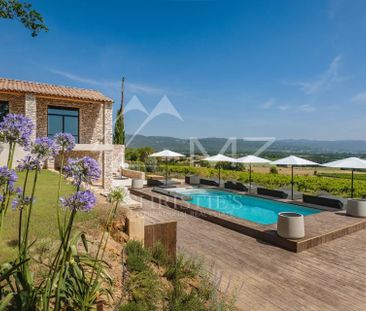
[(133, 174)]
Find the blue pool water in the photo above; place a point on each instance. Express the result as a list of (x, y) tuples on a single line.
[(261, 211)]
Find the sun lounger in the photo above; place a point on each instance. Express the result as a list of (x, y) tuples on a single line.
[(208, 182), (297, 195), (325, 200), (272, 193), (281, 194), (238, 186), (160, 183)]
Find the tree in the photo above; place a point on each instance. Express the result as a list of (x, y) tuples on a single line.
[(119, 126), (119, 129), (144, 153), (23, 11), (138, 154)]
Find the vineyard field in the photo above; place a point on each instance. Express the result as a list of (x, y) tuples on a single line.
[(337, 184)]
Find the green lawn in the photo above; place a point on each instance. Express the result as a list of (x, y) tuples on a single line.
[(43, 221)]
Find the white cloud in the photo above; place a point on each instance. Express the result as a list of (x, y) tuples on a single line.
[(324, 81), (142, 88), (83, 80), (360, 98), (268, 104), (272, 104), (283, 107), (307, 108), (131, 87)]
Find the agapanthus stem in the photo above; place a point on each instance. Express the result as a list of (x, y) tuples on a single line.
[(21, 213), (60, 229), (4, 207), (11, 155), (63, 259), (6, 199), (1, 222), (66, 214), (62, 247), (26, 232)]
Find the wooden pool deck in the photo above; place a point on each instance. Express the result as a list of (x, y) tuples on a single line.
[(319, 228), (331, 276)]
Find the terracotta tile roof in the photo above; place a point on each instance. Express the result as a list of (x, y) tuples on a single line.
[(51, 90)]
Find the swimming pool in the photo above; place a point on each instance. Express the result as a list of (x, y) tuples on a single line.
[(258, 210)]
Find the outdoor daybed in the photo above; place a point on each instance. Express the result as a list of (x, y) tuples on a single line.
[(281, 194), (325, 200), (238, 186)]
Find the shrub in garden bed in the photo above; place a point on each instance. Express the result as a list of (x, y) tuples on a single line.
[(157, 282)]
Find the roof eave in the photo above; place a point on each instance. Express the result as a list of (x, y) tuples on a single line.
[(50, 96)]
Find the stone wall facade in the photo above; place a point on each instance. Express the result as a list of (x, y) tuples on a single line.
[(95, 125), (91, 121), (30, 107), (133, 174), (16, 102), (107, 169), (108, 124), (118, 158)]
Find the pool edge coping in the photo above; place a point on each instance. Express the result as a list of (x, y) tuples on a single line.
[(265, 233)]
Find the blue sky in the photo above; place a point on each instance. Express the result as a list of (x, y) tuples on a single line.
[(289, 69)]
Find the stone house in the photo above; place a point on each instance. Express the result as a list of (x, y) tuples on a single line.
[(86, 114)]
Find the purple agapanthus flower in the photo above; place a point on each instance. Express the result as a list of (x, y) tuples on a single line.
[(16, 128), (7, 177), (80, 201), (64, 141), (20, 201), (84, 169), (30, 163), (43, 148)]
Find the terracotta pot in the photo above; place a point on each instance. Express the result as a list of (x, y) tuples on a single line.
[(290, 225)]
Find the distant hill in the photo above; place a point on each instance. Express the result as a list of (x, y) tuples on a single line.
[(213, 145)]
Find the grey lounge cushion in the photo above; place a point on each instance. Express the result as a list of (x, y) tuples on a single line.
[(272, 193), (325, 200), (235, 186), (208, 182), (160, 183)]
